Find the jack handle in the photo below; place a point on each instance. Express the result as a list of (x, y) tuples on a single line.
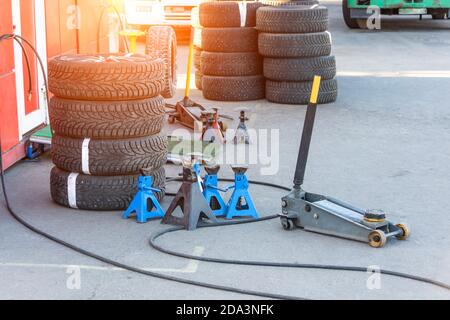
[(307, 135), (187, 92)]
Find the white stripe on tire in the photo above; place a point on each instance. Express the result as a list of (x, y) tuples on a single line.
[(85, 156), (72, 190)]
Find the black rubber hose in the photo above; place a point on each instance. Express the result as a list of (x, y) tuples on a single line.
[(27, 62), (161, 249)]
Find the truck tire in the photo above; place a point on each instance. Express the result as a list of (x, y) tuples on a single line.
[(105, 77), (292, 19), (275, 3), (233, 88), (99, 193), (199, 80), (227, 14), (295, 45), (107, 120), (162, 43), (351, 23), (231, 64), (304, 69), (300, 92), (109, 157), (230, 40)]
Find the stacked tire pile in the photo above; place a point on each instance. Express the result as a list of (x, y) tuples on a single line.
[(106, 115), (230, 63), (296, 46)]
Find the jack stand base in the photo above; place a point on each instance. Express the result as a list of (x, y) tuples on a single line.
[(192, 203), (145, 205), (212, 194), (241, 204)]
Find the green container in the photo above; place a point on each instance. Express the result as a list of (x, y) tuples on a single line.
[(356, 12)]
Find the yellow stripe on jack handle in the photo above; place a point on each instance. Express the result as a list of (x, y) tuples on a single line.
[(315, 90)]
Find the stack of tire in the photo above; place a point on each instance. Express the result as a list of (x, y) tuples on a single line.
[(106, 115), (296, 47), (230, 63)]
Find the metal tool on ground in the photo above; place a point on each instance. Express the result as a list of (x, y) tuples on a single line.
[(213, 129), (329, 216), (145, 205), (242, 136), (190, 200), (212, 191), (188, 112), (184, 111), (241, 203)]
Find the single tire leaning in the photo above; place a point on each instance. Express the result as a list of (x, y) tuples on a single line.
[(227, 14), (295, 45), (277, 3), (233, 88), (107, 120), (231, 64), (105, 77), (300, 69), (199, 80), (300, 92), (99, 193), (230, 40), (292, 19), (162, 43), (109, 157)]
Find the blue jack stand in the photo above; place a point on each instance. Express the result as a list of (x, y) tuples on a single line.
[(212, 192), (145, 197), (241, 203)]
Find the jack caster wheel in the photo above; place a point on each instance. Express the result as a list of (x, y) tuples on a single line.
[(377, 239), (405, 234), (287, 224)]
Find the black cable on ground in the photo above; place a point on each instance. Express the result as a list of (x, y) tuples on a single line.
[(161, 249), (128, 267)]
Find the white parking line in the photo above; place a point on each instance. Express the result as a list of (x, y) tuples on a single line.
[(191, 267)]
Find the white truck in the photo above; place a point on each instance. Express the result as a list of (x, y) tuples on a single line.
[(144, 13)]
